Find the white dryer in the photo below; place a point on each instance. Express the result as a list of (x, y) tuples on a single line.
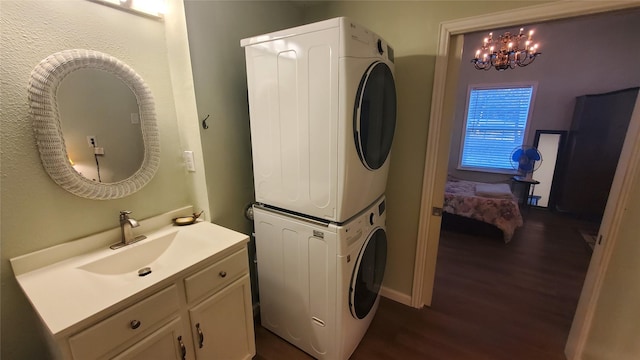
[(322, 102), (319, 283)]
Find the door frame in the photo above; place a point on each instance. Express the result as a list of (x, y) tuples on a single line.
[(448, 56)]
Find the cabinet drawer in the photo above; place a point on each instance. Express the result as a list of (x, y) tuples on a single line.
[(124, 325), (216, 276)]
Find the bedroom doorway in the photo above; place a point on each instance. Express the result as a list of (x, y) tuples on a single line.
[(448, 56)]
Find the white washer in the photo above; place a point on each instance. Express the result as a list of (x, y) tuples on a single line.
[(319, 283), (322, 104)]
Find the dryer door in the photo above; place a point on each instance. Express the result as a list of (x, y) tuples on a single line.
[(374, 115), (368, 274)]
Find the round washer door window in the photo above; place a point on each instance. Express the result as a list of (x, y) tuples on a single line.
[(368, 274), (374, 116)]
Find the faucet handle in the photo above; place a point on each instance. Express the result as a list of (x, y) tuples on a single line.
[(124, 214)]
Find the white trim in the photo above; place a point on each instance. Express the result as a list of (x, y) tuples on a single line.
[(428, 179), (616, 204), (544, 12), (395, 295), (538, 13), (487, 170)]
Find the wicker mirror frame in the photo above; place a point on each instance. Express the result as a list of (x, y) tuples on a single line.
[(43, 108)]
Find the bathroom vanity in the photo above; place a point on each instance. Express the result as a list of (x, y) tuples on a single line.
[(183, 293)]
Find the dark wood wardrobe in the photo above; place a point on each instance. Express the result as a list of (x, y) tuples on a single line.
[(598, 130)]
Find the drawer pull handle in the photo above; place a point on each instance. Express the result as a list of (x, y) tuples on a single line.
[(183, 349), (135, 324), (223, 274), (200, 336)]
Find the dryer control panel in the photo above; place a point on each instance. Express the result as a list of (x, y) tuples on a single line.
[(363, 41)]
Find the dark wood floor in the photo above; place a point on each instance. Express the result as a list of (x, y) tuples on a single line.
[(491, 300)]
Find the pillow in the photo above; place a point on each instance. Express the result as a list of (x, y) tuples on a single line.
[(499, 191)]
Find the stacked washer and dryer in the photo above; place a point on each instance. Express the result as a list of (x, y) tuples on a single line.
[(322, 105)]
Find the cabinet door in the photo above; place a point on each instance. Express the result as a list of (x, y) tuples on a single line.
[(167, 343), (222, 325)]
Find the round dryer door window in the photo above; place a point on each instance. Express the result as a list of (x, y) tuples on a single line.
[(368, 274), (374, 116)]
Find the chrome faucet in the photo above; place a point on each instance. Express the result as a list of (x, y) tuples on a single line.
[(126, 229)]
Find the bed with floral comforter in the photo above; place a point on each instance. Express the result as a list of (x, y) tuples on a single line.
[(501, 211)]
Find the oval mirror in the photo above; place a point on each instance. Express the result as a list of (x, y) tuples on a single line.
[(94, 121), (101, 126)]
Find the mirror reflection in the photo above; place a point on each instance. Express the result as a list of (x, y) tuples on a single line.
[(100, 121), (549, 143)]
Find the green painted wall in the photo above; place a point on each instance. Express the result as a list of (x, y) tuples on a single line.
[(36, 213), (215, 29), (412, 28)]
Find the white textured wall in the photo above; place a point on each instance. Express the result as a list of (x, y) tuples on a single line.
[(36, 213), (577, 59)]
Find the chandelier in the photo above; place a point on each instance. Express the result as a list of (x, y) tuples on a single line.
[(506, 51)]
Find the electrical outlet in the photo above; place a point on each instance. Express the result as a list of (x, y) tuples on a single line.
[(91, 140)]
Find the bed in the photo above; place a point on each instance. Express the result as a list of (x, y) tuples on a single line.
[(489, 203)]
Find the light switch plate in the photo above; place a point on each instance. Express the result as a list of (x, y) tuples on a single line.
[(189, 162)]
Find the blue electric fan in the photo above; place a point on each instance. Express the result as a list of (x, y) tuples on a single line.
[(526, 159)]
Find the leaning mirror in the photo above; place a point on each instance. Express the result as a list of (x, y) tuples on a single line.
[(94, 122)]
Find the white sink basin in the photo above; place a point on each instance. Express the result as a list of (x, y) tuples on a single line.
[(169, 250), (135, 256)]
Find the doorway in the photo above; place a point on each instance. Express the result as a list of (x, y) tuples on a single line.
[(435, 168)]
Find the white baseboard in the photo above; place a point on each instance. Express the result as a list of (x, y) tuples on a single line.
[(396, 296)]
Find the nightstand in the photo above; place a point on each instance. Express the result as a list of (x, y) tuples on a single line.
[(527, 187)]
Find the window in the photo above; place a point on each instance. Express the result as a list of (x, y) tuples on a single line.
[(495, 125)]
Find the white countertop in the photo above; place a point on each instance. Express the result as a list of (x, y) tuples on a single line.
[(64, 294)]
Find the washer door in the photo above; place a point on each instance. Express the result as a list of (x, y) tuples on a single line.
[(374, 115), (368, 274)]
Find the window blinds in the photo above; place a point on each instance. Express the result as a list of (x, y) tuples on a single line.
[(495, 126)]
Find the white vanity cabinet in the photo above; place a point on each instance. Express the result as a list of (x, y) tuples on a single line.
[(140, 323), (215, 340), (221, 317), (205, 314), (183, 293)]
